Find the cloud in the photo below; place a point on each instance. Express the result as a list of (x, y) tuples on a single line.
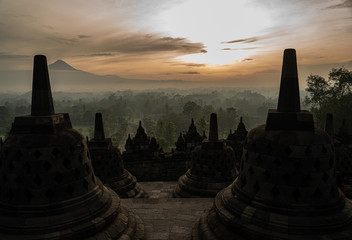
[(99, 55), (190, 72), (189, 64), (247, 59), (13, 56), (244, 40), (345, 4), (194, 64), (63, 40), (83, 36), (118, 29), (146, 43), (236, 49)]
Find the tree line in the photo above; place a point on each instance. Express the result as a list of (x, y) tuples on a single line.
[(331, 95), (164, 113)]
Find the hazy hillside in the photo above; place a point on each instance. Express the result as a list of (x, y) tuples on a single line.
[(66, 78)]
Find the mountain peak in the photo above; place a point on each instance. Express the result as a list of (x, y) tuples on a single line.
[(61, 65)]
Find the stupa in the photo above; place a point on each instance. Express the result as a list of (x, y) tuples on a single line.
[(287, 187), (186, 143), (182, 152), (108, 165), (192, 138), (140, 147), (212, 167), (48, 189), (236, 140), (180, 144)]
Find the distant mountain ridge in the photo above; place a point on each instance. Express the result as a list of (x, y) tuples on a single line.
[(61, 65)]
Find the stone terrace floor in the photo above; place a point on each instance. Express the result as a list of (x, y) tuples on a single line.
[(164, 217)]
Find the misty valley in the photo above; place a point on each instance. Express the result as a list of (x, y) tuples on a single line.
[(164, 113)]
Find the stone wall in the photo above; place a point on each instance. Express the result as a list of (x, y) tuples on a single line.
[(165, 167)]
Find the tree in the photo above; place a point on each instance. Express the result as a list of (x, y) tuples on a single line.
[(202, 125), (330, 96), (191, 109), (318, 89), (165, 134)]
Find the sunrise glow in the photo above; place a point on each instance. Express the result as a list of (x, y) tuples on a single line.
[(236, 42)]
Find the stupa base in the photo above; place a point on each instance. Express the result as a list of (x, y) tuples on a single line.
[(190, 186), (231, 218), (127, 186)]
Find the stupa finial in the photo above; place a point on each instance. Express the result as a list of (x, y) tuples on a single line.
[(289, 100), (42, 100), (99, 127), (213, 131)]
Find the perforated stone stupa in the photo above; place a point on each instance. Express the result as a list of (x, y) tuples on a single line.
[(48, 189), (192, 138), (287, 187), (212, 167), (108, 165), (236, 140), (141, 147)]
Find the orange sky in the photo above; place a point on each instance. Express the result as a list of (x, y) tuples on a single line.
[(239, 42)]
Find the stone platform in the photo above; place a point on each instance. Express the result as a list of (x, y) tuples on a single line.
[(164, 217)]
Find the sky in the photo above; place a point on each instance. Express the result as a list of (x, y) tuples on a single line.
[(235, 43)]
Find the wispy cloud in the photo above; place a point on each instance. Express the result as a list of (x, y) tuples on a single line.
[(247, 59), (139, 43), (63, 40), (245, 40), (189, 64), (236, 49), (13, 56), (99, 55), (345, 4), (83, 36), (190, 72)]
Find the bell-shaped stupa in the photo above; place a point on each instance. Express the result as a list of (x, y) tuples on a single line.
[(287, 186), (192, 138), (48, 189), (212, 167), (236, 140), (180, 144), (108, 165)]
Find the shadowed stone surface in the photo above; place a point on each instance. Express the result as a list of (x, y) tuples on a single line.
[(286, 188), (48, 189), (108, 165), (212, 167), (164, 217)]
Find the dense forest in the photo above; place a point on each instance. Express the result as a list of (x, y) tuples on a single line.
[(164, 113)]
